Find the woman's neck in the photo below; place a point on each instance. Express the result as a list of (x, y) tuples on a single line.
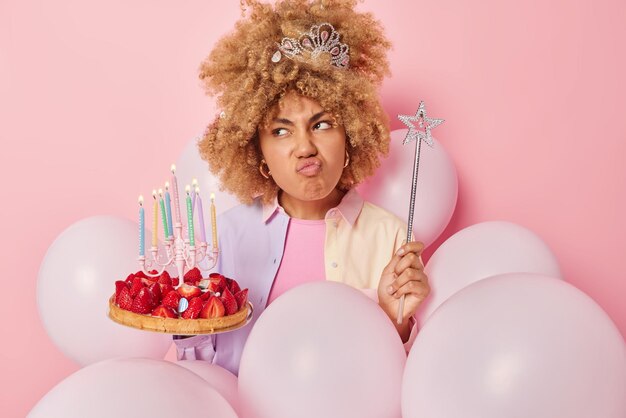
[(309, 209)]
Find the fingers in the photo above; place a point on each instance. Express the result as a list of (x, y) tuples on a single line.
[(389, 270), (409, 259), (407, 256), (410, 282), (419, 289), (411, 247)]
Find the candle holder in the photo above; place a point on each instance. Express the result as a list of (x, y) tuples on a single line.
[(178, 253)]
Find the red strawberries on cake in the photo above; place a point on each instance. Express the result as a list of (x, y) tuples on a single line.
[(213, 297)]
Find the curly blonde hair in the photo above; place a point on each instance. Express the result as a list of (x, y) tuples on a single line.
[(250, 86)]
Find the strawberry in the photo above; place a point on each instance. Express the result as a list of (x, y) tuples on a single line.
[(193, 311), (205, 296), (155, 289), (119, 285), (241, 297), (165, 278), (233, 286), (213, 308), (136, 286), (188, 291), (217, 283), (129, 278), (124, 300), (148, 281), (165, 288), (229, 301), (175, 281), (171, 299), (142, 303), (164, 312), (228, 281), (193, 276), (196, 302), (140, 274)]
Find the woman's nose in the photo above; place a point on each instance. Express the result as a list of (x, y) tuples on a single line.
[(304, 145)]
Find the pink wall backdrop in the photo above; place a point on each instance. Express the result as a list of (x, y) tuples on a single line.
[(98, 98)]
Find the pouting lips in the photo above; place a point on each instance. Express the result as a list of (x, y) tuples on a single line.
[(309, 166)]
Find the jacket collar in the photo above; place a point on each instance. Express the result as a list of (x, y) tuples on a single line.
[(349, 208)]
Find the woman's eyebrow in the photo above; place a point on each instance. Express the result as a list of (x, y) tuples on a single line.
[(283, 121), (290, 123), (317, 116)]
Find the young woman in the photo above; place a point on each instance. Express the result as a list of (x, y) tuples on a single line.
[(301, 125)]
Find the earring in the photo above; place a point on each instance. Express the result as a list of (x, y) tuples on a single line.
[(269, 173), (347, 160)]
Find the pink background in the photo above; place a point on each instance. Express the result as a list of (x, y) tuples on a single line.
[(98, 98)]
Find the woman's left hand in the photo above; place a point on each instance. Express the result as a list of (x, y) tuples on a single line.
[(404, 275)]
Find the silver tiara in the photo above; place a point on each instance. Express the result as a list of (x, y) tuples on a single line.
[(320, 38)]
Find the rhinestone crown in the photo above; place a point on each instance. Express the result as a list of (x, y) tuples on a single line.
[(320, 38)]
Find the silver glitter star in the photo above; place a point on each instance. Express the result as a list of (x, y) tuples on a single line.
[(423, 122)]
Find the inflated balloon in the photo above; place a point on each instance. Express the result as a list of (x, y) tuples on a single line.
[(517, 346), (217, 377), (322, 349), (189, 166), (76, 279), (483, 250), (133, 388), (437, 186)]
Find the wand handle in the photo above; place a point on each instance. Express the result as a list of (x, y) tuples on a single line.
[(409, 231)]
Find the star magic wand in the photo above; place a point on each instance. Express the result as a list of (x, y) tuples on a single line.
[(419, 133)]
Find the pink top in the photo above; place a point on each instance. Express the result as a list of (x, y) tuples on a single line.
[(303, 258)]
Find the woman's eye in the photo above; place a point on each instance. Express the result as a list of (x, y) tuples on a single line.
[(280, 132), (323, 125)]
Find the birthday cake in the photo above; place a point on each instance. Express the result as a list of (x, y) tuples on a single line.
[(198, 306)]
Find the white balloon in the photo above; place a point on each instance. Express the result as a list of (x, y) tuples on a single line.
[(437, 186), (217, 377), (76, 279), (133, 388), (483, 250), (190, 166), (322, 349), (517, 345)]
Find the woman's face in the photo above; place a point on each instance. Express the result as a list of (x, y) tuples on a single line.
[(304, 149)]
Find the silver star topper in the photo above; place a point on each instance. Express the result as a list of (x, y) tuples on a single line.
[(423, 122)]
